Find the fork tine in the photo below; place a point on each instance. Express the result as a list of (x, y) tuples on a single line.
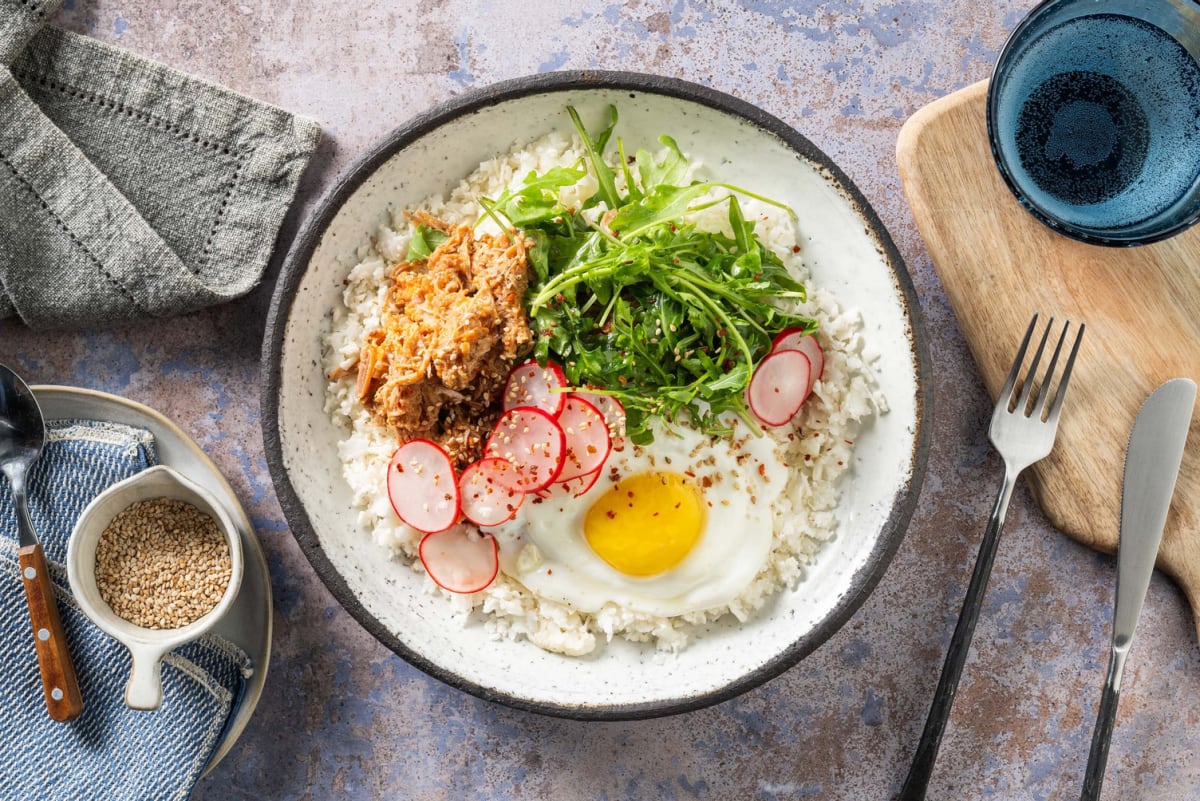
[(1062, 385), (1042, 402), (1027, 387), (1010, 382)]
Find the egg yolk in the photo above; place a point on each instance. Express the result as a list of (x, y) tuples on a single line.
[(646, 523)]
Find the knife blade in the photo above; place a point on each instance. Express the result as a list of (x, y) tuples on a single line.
[(1152, 463), (1151, 469)]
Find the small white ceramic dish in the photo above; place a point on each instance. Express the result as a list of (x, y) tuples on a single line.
[(147, 647), (248, 625), (850, 255)]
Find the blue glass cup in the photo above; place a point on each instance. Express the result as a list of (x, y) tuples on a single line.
[(1093, 116)]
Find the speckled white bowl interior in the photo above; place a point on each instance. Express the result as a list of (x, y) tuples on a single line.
[(849, 254)]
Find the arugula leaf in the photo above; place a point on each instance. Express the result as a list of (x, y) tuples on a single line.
[(536, 200), (671, 170), (595, 150), (424, 241)]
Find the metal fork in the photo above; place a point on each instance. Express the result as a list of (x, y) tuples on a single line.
[(1022, 431)]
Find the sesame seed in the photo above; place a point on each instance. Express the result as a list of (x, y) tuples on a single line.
[(162, 564)]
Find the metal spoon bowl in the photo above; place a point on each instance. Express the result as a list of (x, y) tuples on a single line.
[(22, 435)]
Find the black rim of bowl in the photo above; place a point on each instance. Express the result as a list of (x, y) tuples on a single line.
[(862, 583), (1087, 235)]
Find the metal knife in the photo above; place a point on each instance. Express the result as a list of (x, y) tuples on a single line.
[(1151, 467)]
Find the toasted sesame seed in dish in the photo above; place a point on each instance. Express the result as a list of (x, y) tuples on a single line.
[(727, 485), (162, 564)]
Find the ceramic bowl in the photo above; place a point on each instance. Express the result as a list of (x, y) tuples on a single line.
[(147, 647), (849, 253)]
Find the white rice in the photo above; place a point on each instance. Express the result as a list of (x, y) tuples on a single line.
[(805, 518)]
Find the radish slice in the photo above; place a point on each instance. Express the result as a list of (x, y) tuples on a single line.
[(571, 488), (460, 559), (500, 472), (779, 386), (485, 500), (614, 415), (421, 486), (589, 481), (535, 444), (530, 384), (588, 440), (796, 339)]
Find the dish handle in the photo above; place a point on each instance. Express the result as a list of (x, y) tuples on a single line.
[(144, 690)]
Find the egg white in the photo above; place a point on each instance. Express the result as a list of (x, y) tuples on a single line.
[(740, 477)]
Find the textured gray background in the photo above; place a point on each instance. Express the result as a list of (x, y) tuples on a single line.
[(342, 717)]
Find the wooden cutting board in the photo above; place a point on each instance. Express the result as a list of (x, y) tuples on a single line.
[(1141, 306)]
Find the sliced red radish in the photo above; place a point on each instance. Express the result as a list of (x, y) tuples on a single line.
[(533, 442), (614, 415), (779, 386), (588, 440), (485, 500), (422, 487), (530, 384), (571, 488), (796, 339), (500, 471), (587, 482), (461, 559)]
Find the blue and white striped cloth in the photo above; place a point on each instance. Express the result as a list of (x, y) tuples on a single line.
[(111, 752)]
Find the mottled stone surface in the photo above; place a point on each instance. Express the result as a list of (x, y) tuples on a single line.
[(342, 717)]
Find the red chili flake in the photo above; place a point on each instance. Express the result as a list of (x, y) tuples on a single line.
[(762, 469), (795, 248), (610, 514)]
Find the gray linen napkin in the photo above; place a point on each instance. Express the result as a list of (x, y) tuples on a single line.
[(129, 190)]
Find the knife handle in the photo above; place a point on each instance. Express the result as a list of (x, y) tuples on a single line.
[(1106, 718), (63, 700)]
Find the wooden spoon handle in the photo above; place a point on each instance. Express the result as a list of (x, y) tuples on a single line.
[(63, 700)]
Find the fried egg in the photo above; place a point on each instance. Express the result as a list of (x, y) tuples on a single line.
[(681, 525)]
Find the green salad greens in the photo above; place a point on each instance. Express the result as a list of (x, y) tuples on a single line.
[(635, 301)]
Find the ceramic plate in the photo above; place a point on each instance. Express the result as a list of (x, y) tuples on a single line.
[(849, 253), (248, 623)]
